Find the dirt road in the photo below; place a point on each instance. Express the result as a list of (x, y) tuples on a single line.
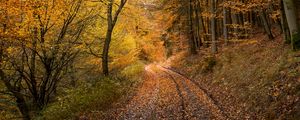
[(166, 94)]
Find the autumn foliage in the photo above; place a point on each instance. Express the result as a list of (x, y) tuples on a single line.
[(52, 48)]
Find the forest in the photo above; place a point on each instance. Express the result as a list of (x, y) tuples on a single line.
[(149, 59)]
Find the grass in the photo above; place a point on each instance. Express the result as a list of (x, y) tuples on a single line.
[(257, 81), (87, 97)]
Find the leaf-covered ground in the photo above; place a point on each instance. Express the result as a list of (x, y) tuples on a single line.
[(165, 94), (251, 80)]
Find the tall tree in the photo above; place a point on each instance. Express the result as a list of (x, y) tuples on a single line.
[(111, 22)]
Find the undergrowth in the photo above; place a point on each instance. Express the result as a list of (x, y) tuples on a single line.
[(87, 97), (94, 97)]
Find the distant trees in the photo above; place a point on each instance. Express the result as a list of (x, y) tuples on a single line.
[(238, 19)]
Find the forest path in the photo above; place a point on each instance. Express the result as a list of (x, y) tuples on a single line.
[(166, 94)]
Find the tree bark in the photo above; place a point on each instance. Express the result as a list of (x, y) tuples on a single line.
[(283, 22), (213, 27), (107, 39), (290, 12), (191, 29), (266, 24), (225, 32), (199, 20), (111, 22), (23, 108)]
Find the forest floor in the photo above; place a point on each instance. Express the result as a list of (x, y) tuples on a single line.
[(165, 94), (254, 79)]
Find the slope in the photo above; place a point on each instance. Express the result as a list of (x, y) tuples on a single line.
[(257, 79)]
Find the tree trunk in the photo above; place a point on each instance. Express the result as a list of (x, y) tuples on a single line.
[(105, 52), (107, 39), (290, 12), (213, 27), (284, 27), (225, 32), (266, 24), (32, 69), (191, 30), (198, 23), (23, 108)]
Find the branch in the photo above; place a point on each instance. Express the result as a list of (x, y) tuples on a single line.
[(120, 7)]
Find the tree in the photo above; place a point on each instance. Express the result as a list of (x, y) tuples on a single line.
[(33, 60), (111, 22)]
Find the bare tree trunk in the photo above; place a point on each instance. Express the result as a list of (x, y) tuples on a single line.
[(199, 27), (266, 24), (213, 27), (290, 12), (191, 30), (32, 69), (23, 108), (225, 32), (111, 22), (235, 24), (284, 27), (108, 38)]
